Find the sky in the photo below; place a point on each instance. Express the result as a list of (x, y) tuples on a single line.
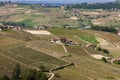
[(66, 1)]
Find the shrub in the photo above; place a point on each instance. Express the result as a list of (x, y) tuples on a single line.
[(99, 48), (104, 59), (106, 51), (5, 77), (117, 62)]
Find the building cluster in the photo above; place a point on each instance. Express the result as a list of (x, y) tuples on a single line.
[(114, 60), (8, 27), (63, 40)]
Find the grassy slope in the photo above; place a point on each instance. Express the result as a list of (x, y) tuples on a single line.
[(13, 46), (41, 16), (70, 33), (90, 39), (86, 66)]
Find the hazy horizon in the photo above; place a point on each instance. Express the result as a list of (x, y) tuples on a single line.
[(61, 1)]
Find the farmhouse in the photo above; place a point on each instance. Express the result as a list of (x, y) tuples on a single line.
[(71, 27), (56, 40), (86, 27), (62, 40), (17, 28), (9, 27), (113, 60), (90, 45), (2, 27)]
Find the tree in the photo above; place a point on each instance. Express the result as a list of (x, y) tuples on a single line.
[(104, 6), (5, 77), (43, 77), (99, 49), (104, 59), (31, 75), (42, 67), (117, 62), (16, 72), (106, 51), (35, 75), (38, 75)]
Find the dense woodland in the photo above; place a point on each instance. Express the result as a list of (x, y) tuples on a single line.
[(104, 28), (104, 6)]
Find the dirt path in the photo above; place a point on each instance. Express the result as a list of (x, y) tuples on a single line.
[(52, 76), (98, 56), (65, 48)]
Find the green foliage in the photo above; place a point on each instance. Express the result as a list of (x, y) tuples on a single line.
[(105, 6), (29, 75), (104, 59), (99, 48), (42, 67), (27, 21), (105, 51), (16, 72), (2, 3), (104, 28), (35, 75), (117, 62), (22, 23), (5, 77), (90, 39)]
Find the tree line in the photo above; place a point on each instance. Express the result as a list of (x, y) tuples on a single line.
[(16, 24), (104, 28), (104, 6), (2, 3), (27, 75)]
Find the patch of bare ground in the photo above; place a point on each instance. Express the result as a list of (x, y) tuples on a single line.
[(73, 18), (38, 32), (107, 45), (98, 56)]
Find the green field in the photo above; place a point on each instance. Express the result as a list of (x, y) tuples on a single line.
[(90, 39)]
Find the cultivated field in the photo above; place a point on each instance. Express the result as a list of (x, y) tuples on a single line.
[(33, 48), (87, 67)]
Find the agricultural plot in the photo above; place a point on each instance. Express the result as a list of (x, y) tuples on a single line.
[(38, 17), (39, 50), (86, 67), (109, 41), (90, 39), (32, 57)]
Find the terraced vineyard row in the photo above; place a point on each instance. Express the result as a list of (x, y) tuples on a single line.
[(90, 67), (32, 57), (113, 38)]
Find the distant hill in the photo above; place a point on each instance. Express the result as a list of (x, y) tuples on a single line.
[(58, 1)]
